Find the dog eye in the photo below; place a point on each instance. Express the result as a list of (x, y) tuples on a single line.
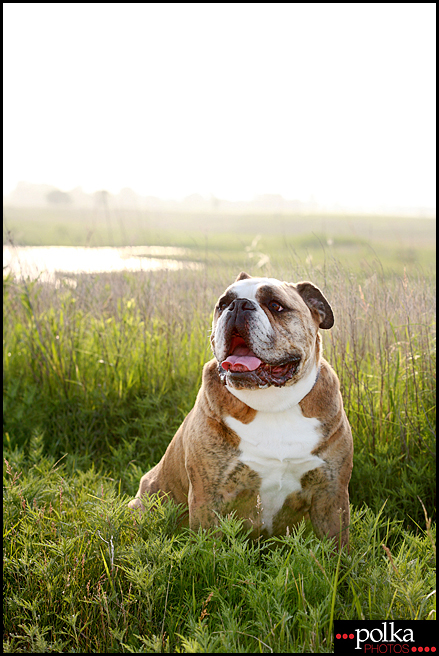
[(221, 306), (274, 306)]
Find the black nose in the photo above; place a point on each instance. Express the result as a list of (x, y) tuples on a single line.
[(241, 305), (240, 312)]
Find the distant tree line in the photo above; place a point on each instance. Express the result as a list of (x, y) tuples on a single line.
[(58, 197)]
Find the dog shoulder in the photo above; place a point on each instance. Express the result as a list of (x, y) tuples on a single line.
[(325, 403), (325, 396)]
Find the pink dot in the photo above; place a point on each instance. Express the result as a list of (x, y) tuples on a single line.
[(427, 649), (351, 635), (414, 649), (345, 635), (338, 636)]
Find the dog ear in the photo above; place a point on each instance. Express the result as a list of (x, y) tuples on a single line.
[(316, 302), (242, 276)]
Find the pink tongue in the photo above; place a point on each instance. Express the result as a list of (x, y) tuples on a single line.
[(242, 360)]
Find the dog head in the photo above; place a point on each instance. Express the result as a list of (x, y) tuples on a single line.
[(265, 332)]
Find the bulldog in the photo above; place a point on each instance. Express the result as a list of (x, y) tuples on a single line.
[(267, 437)]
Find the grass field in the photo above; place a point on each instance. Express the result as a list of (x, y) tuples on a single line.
[(98, 377), (238, 239)]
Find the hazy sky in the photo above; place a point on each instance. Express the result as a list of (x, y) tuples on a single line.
[(330, 100)]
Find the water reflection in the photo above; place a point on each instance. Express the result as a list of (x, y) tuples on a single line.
[(49, 262)]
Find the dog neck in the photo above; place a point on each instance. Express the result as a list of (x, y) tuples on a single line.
[(277, 399)]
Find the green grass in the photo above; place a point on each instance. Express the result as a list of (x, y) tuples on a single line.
[(83, 574), (97, 378)]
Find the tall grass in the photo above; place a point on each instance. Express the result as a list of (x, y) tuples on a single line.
[(105, 373), (119, 359)]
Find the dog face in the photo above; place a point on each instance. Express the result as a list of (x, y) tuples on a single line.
[(265, 332)]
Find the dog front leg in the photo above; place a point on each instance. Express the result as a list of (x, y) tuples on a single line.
[(330, 517), (201, 504)]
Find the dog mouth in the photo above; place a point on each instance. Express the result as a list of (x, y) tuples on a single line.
[(243, 365)]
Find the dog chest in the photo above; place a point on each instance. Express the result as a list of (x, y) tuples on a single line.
[(278, 446)]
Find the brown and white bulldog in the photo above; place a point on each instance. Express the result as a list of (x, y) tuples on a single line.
[(267, 437)]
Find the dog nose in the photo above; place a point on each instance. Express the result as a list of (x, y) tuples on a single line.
[(242, 305)]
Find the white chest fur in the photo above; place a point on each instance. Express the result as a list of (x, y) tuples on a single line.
[(278, 445)]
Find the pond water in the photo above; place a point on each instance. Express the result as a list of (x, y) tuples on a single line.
[(49, 263)]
